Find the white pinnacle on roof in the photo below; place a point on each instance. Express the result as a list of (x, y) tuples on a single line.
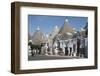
[(38, 28), (66, 20), (56, 27)]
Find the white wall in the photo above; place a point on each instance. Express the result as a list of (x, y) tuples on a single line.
[(5, 42)]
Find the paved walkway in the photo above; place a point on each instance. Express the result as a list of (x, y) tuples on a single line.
[(50, 57)]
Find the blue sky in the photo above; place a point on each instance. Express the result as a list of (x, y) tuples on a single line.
[(47, 23)]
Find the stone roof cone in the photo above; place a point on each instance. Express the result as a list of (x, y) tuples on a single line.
[(38, 37), (66, 31), (66, 28)]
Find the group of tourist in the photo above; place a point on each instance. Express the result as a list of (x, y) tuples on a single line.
[(71, 47)]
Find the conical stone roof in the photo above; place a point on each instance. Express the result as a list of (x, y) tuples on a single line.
[(66, 31), (38, 37), (55, 31), (66, 28)]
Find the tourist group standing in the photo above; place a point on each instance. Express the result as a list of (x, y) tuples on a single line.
[(75, 47)]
